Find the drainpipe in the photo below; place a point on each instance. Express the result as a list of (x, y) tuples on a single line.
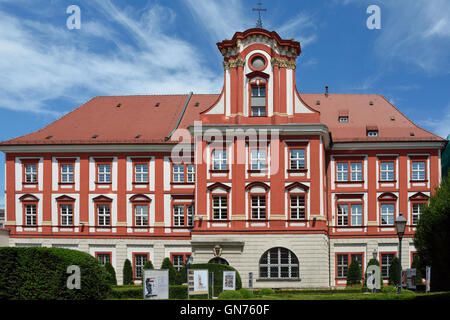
[(328, 226)]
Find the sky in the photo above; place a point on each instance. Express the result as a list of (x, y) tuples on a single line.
[(169, 47)]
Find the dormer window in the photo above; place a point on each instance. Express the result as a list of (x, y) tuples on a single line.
[(258, 100), (372, 134), (343, 119)]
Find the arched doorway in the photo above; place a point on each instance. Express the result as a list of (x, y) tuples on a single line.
[(219, 260)]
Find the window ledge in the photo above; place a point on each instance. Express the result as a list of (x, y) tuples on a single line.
[(30, 183), (297, 170), (66, 183), (257, 171), (134, 182), (96, 182), (386, 181), (181, 183), (219, 170), (411, 181)]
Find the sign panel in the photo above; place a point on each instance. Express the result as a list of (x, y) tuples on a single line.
[(156, 284), (198, 282), (250, 280), (409, 279), (428, 279), (229, 280)]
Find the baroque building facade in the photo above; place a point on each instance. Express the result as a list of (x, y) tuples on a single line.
[(289, 187)]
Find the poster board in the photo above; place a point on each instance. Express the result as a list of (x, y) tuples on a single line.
[(155, 284), (198, 282), (229, 280)]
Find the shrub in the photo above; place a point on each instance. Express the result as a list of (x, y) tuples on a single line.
[(112, 273), (149, 265), (167, 264), (127, 273), (354, 273), (181, 276), (178, 292), (41, 273), (416, 265), (246, 294), (230, 295), (266, 291), (127, 292), (394, 270), (218, 274)]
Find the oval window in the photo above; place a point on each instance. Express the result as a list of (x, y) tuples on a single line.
[(258, 62)]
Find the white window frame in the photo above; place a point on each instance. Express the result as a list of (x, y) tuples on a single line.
[(67, 172), (387, 214), (219, 207), (356, 172), (258, 208), (417, 172), (341, 265), (178, 172), (141, 172), (356, 215), (416, 210), (298, 210), (279, 265), (258, 159), (297, 159), (219, 159), (104, 173), (31, 173), (104, 215), (139, 264), (141, 215), (66, 212), (178, 215), (342, 171), (385, 172), (190, 172), (342, 215), (30, 214), (190, 215)]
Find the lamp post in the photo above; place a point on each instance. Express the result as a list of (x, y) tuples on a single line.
[(400, 225)]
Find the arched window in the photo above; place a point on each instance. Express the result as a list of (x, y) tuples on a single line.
[(278, 263), (218, 260)]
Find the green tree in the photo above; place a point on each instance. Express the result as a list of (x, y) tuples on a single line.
[(167, 264), (354, 273), (127, 273), (432, 237), (416, 265), (394, 270), (112, 273)]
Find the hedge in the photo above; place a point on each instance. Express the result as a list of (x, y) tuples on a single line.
[(230, 295), (218, 274), (136, 292), (41, 273)]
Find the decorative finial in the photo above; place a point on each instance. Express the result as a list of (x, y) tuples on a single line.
[(259, 21)]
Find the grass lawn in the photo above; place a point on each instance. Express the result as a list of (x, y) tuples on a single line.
[(389, 293)]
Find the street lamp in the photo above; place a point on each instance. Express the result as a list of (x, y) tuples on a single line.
[(400, 225), (375, 254)]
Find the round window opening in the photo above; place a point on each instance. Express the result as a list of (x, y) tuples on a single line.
[(258, 62)]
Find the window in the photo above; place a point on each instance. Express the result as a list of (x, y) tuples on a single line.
[(141, 215), (342, 171), (356, 171), (190, 172), (372, 134), (178, 261), (386, 260), (387, 214), (139, 263), (279, 263), (178, 173), (258, 159), (220, 207), (190, 215), (104, 215), (104, 258), (178, 216), (30, 173), (387, 171), (258, 101), (343, 119), (418, 170), (297, 159), (141, 172), (342, 215), (356, 214), (104, 173), (67, 172), (178, 170), (342, 265), (343, 261), (219, 160), (66, 214), (298, 207), (183, 215), (30, 215), (416, 210), (258, 205)]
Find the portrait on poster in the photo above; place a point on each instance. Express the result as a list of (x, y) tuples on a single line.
[(156, 284), (229, 280)]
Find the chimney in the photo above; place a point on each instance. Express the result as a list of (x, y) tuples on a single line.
[(326, 91)]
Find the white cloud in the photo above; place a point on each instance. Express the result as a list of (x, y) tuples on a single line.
[(40, 62), (440, 126), (416, 32), (302, 28)]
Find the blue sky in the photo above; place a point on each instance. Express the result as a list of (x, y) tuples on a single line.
[(163, 47)]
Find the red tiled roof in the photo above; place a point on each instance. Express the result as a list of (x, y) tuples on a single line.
[(139, 115)]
